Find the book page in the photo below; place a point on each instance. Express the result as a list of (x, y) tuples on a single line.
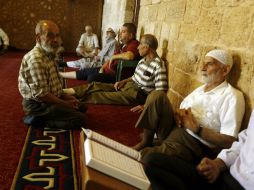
[(115, 164), (112, 144)]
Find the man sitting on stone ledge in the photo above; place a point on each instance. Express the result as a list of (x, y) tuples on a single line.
[(208, 120), (150, 74)]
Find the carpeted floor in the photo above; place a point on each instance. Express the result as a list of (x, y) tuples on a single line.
[(12, 130), (113, 121)]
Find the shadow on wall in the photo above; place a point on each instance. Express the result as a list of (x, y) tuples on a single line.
[(233, 78), (142, 32), (235, 72), (164, 51)]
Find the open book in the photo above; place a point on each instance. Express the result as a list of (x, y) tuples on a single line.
[(114, 159)]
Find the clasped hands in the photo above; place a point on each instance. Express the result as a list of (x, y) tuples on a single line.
[(70, 101), (210, 169), (185, 119)]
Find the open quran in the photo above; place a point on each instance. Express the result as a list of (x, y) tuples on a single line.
[(114, 159)]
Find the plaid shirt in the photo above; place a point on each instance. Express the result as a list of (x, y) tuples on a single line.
[(38, 75), (151, 76)]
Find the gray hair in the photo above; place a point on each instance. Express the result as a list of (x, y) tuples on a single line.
[(39, 29), (150, 40)]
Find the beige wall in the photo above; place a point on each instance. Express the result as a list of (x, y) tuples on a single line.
[(116, 13), (19, 17), (188, 29)]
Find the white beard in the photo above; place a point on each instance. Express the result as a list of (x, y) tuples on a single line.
[(207, 79), (48, 48)]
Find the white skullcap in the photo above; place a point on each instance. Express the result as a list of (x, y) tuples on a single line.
[(222, 56), (111, 30)]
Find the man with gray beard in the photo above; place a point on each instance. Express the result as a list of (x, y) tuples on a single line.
[(208, 119), (40, 84)]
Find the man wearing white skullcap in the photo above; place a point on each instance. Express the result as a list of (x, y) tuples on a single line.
[(208, 120), (222, 56)]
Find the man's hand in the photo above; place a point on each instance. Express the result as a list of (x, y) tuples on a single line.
[(68, 97), (178, 118), (210, 169), (70, 103), (186, 119), (137, 109), (120, 84), (103, 67)]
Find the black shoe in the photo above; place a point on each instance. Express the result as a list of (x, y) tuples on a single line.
[(35, 121), (82, 107), (61, 64)]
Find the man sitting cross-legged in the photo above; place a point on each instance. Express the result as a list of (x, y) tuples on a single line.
[(40, 85), (96, 61), (150, 74), (208, 119)]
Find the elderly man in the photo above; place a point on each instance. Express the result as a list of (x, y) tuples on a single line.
[(4, 41), (208, 119), (40, 85), (232, 169), (88, 45), (150, 74), (103, 56), (128, 51)]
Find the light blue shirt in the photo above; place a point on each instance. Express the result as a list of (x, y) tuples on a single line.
[(107, 50), (239, 158)]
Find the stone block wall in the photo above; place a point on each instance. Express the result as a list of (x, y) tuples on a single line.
[(188, 29)]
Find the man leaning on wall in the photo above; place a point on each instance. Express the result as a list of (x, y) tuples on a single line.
[(208, 119)]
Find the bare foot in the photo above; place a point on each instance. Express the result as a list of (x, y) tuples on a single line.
[(139, 146)]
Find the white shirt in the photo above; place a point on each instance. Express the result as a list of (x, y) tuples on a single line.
[(89, 42), (239, 158), (220, 109), (4, 37)]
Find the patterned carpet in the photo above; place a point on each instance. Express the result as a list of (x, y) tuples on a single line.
[(113, 121)]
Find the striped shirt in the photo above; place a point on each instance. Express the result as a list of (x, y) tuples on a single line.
[(151, 76), (38, 75)]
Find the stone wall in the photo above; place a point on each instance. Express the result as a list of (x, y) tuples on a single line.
[(19, 18), (188, 29), (116, 13)]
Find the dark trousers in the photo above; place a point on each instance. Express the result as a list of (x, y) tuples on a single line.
[(92, 74), (55, 116), (172, 173), (85, 74)]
